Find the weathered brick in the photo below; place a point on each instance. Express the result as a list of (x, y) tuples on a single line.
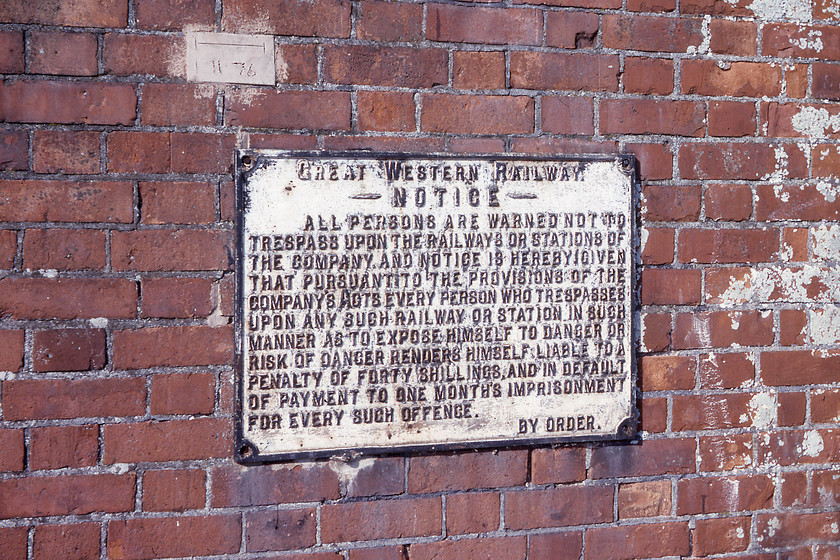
[(558, 465), (65, 152), (826, 84), (470, 24), (384, 477), (788, 529), (726, 160), (656, 332), (11, 52), (68, 350), (651, 33), (66, 495), (644, 499), (472, 513), (476, 145), (296, 64), (725, 371), (503, 548), (78, 541), (173, 346), (799, 367), (567, 115), (792, 488), (655, 161), (731, 118), (728, 202), (724, 494), (668, 373), (70, 54), (164, 15), (799, 447), (804, 202), (75, 13), (171, 440), (671, 203), (389, 21), (385, 143), (791, 409), (13, 541), (393, 552), (558, 507), (489, 114), (658, 246), (11, 358), (138, 152), (150, 55), (725, 453), (183, 393), (596, 4), (747, 79), (14, 451), (437, 473), (67, 102), (66, 201), (478, 70), (146, 539), (654, 457), (576, 72), (64, 249), (654, 415), (58, 447), (328, 18), (328, 110), (176, 297), (718, 536), (177, 202), (385, 66), (14, 150), (555, 546), (722, 329), (390, 519), (625, 543), (733, 37), (662, 286), (793, 327), (711, 412), (651, 116), (796, 40), (68, 298), (275, 142), (824, 488), (234, 486), (178, 104), (825, 405), (553, 146), (825, 159), (173, 490), (386, 111), (716, 7), (161, 249), (795, 120), (796, 80), (284, 529), (199, 152), (80, 398), (648, 76), (571, 30), (794, 244)]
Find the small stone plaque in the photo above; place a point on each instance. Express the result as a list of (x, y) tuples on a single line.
[(391, 303), (230, 58)]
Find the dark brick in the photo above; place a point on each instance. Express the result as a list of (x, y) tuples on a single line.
[(558, 507), (234, 486), (654, 457)]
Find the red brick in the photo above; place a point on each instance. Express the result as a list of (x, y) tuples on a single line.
[(711, 412), (649, 116), (648, 76), (671, 203), (226, 295), (793, 327), (65, 152), (558, 465), (68, 298), (384, 143), (717, 536), (651, 5), (563, 71), (787, 529), (826, 158), (161, 249), (178, 104), (827, 552), (651, 33), (13, 542), (13, 450), (437, 473), (138, 152), (176, 297), (722, 329), (654, 415), (394, 552), (67, 102), (11, 52), (825, 10), (799, 447), (384, 477), (719, 283), (66, 201), (472, 513), (390, 519), (653, 457), (64, 249), (826, 84), (728, 202), (77, 541), (803, 202), (558, 507), (825, 405), (328, 18), (658, 246), (389, 21), (11, 358), (555, 546), (724, 494), (795, 244), (328, 110), (596, 4), (173, 346), (740, 79), (655, 161), (731, 118), (385, 66), (478, 70), (183, 393), (716, 7), (166, 15), (644, 499), (503, 114), (661, 286), (279, 529), (470, 24), (571, 30), (296, 64), (791, 409), (476, 145), (81, 398), (799, 367), (275, 142), (74, 13), (796, 80), (177, 203), (778, 120), (739, 161), (173, 490), (567, 115), (668, 373), (150, 55), (725, 371), (66, 495), (501, 548), (234, 486), (69, 54), (14, 149), (68, 350), (386, 111), (171, 440), (796, 40), (733, 37), (656, 332), (202, 152), (146, 539), (554, 146), (824, 488), (58, 447), (636, 541), (792, 488), (724, 453)]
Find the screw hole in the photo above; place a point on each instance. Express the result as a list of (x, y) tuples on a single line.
[(245, 450), (246, 161)]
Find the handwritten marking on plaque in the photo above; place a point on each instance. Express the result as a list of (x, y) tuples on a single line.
[(230, 58)]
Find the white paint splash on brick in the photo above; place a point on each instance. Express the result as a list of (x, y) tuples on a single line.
[(780, 10), (99, 322), (739, 532), (700, 325), (703, 47), (792, 285), (813, 41), (762, 407), (826, 242), (815, 123), (830, 189), (825, 325), (812, 444), (773, 525), (348, 471)]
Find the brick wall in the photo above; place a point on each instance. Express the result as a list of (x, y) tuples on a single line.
[(116, 235)]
